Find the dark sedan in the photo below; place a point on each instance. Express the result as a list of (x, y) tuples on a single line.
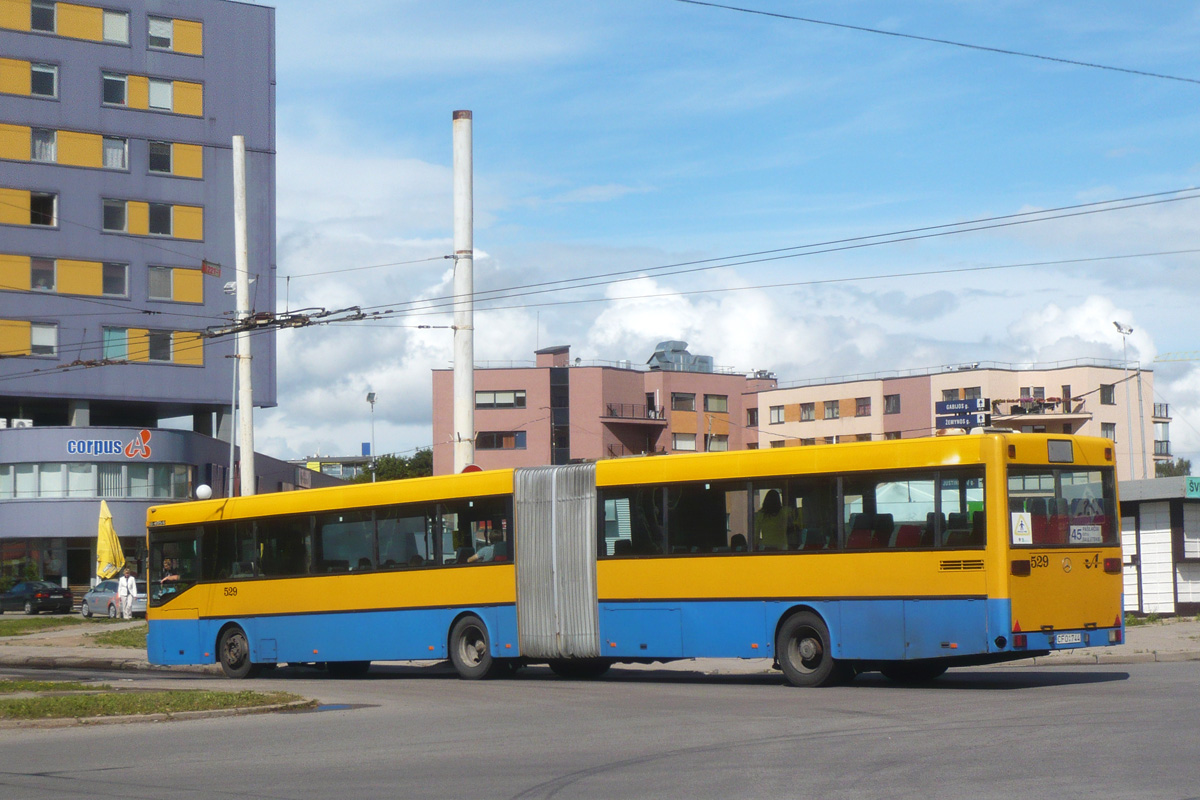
[(34, 596)]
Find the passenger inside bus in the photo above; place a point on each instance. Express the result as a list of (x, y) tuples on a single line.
[(771, 523), (494, 550)]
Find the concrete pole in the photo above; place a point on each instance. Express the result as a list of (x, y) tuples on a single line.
[(464, 303), (1128, 404), (242, 265), (1142, 420)]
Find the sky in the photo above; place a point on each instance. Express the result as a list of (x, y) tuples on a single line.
[(636, 136)]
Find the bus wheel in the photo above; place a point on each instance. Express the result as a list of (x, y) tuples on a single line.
[(470, 649), (348, 669), (579, 668), (913, 671), (234, 652), (802, 648)]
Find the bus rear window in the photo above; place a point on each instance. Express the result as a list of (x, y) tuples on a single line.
[(1062, 507)]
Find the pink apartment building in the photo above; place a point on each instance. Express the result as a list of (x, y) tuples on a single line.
[(559, 410)]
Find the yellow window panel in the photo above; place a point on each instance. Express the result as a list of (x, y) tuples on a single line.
[(80, 277), (189, 285), (80, 22), (189, 98), (137, 91), (15, 15), (189, 37), (14, 207), (14, 338), (16, 76), (187, 160), (138, 344), (15, 142), (14, 273), (189, 348), (137, 218), (80, 149), (189, 222)]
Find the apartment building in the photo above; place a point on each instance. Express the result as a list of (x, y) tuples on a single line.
[(116, 242), (556, 411), (1087, 396)]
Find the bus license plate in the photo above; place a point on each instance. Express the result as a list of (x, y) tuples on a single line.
[(1068, 638)]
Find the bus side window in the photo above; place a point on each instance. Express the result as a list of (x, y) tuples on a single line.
[(285, 546), (228, 549), (814, 514), (405, 538), (696, 518), (633, 522)]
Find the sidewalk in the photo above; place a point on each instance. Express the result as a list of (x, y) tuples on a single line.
[(1176, 639)]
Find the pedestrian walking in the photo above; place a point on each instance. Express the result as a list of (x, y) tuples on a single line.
[(126, 591)]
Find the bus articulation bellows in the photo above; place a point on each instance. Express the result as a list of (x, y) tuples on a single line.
[(904, 556)]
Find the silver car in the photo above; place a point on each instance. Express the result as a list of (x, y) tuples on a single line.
[(102, 599)]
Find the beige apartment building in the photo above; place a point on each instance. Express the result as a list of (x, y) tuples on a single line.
[(1089, 397)]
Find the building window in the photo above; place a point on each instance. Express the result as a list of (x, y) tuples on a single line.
[(43, 339), (507, 399), (1108, 394), (160, 157), (683, 402), (41, 17), (116, 153), (41, 274), (159, 344), (161, 94), (716, 403), (862, 437), (1108, 430), (891, 435), (751, 445), (116, 26), (116, 343), (807, 442), (1037, 393), (114, 215), (776, 415), (777, 443), (160, 283), (500, 440), (808, 412), (43, 80), (43, 209), (43, 145), (949, 395), (751, 417), (716, 443), (862, 407), (683, 441), (832, 409), (161, 33), (114, 89), (160, 219), (891, 404), (976, 392), (831, 440)]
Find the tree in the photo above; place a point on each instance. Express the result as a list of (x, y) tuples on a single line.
[(1169, 469), (392, 467)]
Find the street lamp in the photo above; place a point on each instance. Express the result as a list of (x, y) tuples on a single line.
[(371, 400), (1125, 330)]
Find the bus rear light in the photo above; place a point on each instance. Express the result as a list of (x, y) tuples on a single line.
[(1020, 567), (1114, 636), (1108, 454), (1112, 566), (1019, 640), (1012, 451)]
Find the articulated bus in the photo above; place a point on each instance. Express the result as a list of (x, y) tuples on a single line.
[(904, 556)]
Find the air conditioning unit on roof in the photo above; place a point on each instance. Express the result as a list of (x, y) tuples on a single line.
[(21, 423)]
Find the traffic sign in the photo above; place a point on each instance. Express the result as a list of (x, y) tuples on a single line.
[(964, 421), (971, 405)]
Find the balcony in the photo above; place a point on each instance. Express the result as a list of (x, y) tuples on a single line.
[(633, 412), (621, 451)]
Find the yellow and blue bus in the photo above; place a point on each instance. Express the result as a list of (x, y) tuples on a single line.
[(905, 556)]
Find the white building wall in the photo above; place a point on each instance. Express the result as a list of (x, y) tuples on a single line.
[(1158, 574), (1130, 569), (1191, 530), (1189, 582)]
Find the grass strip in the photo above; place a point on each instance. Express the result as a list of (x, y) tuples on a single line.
[(125, 637), (22, 627), (127, 703), (14, 686)]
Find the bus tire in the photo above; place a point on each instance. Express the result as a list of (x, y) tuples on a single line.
[(803, 649), (471, 649), (348, 669), (233, 649), (579, 668), (913, 671)]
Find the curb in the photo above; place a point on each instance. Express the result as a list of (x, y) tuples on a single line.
[(74, 722), (112, 664)]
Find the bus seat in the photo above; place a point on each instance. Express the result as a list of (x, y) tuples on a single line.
[(500, 551), (335, 565), (908, 536), (978, 528), (462, 554), (1036, 506), (934, 521), (860, 539), (883, 529), (957, 519), (677, 549), (1016, 505), (862, 521)]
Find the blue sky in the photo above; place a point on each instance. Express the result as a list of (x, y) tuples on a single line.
[(624, 136)]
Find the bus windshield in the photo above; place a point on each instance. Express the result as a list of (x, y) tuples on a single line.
[(1062, 507)]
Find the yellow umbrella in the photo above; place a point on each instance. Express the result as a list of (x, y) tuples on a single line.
[(109, 558)]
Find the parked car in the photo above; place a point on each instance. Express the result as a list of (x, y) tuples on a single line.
[(34, 596), (102, 599)]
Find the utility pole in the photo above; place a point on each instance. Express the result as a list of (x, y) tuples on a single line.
[(245, 392), (464, 302)]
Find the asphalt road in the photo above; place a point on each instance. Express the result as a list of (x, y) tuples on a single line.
[(1107, 731)]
